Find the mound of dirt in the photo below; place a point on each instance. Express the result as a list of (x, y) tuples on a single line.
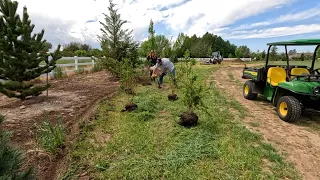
[(172, 97), (188, 119), (130, 107), (70, 98)]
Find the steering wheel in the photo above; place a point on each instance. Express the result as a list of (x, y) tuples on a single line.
[(315, 70)]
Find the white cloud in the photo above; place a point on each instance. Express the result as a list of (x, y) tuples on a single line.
[(65, 20), (292, 17), (275, 32)]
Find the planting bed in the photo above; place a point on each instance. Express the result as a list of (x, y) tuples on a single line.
[(73, 98)]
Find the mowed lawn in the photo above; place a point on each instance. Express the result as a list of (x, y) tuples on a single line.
[(295, 63), (149, 144)]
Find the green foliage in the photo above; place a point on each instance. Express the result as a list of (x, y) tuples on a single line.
[(58, 73), (21, 52), (200, 46), (81, 53), (127, 78), (151, 36), (230, 56), (49, 136), (10, 159), (273, 53), (117, 42), (242, 52), (193, 91), (97, 66)]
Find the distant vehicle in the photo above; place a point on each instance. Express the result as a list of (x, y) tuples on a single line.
[(216, 58)]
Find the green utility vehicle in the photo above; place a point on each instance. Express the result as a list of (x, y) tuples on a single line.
[(291, 88)]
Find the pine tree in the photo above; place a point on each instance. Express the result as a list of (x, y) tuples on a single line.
[(10, 159), (151, 35), (21, 53), (117, 42)]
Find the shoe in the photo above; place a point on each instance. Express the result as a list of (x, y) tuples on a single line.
[(159, 87)]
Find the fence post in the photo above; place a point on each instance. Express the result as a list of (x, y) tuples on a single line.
[(93, 58), (76, 62)]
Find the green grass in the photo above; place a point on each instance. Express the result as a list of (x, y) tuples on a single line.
[(149, 144), (295, 63)]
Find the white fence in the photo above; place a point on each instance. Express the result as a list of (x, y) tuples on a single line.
[(74, 62)]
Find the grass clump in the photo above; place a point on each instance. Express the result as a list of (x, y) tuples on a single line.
[(58, 73), (11, 159), (51, 137)]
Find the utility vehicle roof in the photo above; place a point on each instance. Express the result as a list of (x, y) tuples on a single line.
[(298, 42)]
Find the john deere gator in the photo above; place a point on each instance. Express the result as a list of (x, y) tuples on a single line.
[(291, 88)]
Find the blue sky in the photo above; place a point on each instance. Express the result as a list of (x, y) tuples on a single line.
[(295, 7), (243, 22)]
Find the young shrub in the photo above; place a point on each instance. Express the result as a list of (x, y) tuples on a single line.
[(21, 52), (128, 83), (51, 137), (58, 73), (192, 92), (10, 159), (143, 76)]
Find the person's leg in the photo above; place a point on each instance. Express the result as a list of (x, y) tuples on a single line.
[(161, 79), (173, 75)]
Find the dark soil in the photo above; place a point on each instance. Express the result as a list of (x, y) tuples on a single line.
[(188, 119), (70, 98), (130, 107), (172, 97)]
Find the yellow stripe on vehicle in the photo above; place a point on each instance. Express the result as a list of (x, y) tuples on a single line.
[(252, 73)]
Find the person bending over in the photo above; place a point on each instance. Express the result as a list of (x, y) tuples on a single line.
[(166, 66)]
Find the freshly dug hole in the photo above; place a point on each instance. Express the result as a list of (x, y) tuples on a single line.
[(172, 97), (188, 119), (130, 107)]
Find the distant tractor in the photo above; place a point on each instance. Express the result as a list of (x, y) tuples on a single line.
[(216, 58)]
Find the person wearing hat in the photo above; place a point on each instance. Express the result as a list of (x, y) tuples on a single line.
[(166, 66)]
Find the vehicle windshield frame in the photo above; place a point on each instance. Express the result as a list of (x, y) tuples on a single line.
[(307, 42)]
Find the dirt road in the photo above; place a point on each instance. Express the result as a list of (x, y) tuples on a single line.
[(301, 142), (72, 98)]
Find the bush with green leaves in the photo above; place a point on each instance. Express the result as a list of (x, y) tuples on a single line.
[(58, 73), (128, 77), (11, 159), (193, 92), (51, 137)]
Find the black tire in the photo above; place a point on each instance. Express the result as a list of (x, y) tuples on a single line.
[(293, 109), (247, 93)]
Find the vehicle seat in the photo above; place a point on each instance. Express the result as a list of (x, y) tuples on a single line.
[(299, 71), (276, 75)]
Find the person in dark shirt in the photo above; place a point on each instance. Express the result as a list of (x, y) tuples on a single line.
[(152, 61), (152, 58)]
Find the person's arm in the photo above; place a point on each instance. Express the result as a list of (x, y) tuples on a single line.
[(155, 68)]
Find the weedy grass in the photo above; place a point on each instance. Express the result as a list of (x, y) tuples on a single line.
[(149, 144)]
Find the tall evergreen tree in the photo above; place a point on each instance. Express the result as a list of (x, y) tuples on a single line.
[(151, 35), (21, 53), (117, 42)]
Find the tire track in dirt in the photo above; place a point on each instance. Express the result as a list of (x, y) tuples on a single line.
[(300, 144)]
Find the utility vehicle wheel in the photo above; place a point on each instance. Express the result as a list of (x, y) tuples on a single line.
[(289, 108), (247, 90)]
